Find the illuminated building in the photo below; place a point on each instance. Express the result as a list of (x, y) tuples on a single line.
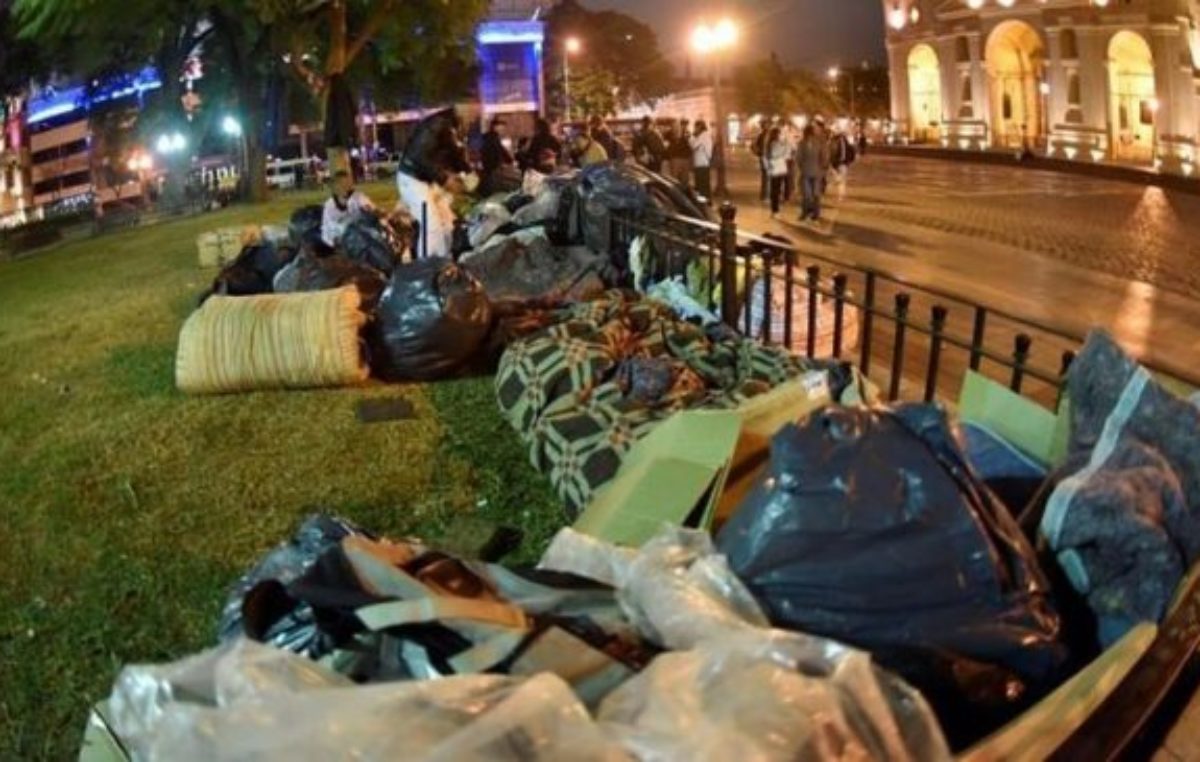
[(1090, 80)]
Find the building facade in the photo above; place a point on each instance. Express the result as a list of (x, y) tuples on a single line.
[(1088, 80)]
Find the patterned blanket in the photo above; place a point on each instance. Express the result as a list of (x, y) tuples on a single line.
[(582, 391)]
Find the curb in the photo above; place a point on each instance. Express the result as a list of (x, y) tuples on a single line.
[(1062, 166)]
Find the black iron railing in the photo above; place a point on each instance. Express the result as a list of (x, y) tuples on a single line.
[(915, 341)]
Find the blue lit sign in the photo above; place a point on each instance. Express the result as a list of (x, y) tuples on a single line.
[(510, 56), (51, 102)]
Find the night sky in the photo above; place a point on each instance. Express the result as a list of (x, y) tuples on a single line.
[(810, 33)]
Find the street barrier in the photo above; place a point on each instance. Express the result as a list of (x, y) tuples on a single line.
[(915, 341)]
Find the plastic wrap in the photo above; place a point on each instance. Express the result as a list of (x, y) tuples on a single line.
[(543, 208), (253, 271), (771, 697), (249, 702), (431, 319), (286, 563), (485, 220)]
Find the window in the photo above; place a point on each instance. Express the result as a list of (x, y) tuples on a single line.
[(1008, 106), (1073, 95), (1068, 44), (967, 108), (1147, 115)]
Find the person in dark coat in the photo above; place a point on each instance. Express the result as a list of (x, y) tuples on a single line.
[(494, 155), (648, 146), (544, 149), (602, 135)]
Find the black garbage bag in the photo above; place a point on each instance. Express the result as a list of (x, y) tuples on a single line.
[(670, 195), (434, 150), (310, 271), (285, 564), (614, 186), (252, 272), (305, 225), (371, 241), (870, 528), (1124, 524), (515, 270), (432, 318)]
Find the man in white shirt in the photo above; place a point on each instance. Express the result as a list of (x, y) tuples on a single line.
[(344, 205), (702, 155)]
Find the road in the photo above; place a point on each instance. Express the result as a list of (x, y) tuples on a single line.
[(1066, 251)]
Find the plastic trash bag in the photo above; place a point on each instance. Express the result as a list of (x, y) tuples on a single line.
[(253, 272), (433, 150), (310, 271), (615, 187), (520, 271), (286, 563), (675, 294), (250, 702), (1125, 524), (430, 321), (371, 241), (766, 698), (870, 528), (304, 227), (485, 220), (543, 208)]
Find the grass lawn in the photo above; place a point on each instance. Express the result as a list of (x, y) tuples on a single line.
[(127, 509)]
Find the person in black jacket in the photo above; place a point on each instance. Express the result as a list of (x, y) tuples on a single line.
[(602, 135), (494, 156), (544, 149), (648, 146)]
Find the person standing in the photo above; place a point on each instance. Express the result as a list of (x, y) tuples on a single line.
[(792, 138), (602, 135), (648, 146), (679, 154), (841, 155), (813, 159), (759, 149), (586, 150), (702, 155), (494, 157), (777, 166)]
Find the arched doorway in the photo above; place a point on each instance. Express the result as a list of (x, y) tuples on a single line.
[(1133, 105), (924, 93), (1015, 62)]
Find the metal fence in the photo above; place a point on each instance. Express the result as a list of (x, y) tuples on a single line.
[(914, 341)]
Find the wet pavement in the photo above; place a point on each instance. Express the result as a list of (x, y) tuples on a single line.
[(1065, 251)]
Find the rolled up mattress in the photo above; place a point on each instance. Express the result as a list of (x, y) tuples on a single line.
[(273, 341)]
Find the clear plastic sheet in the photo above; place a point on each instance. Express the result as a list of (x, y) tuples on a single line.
[(250, 702), (766, 696)]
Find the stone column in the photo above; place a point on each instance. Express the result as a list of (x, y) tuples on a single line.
[(1094, 78), (950, 82), (1056, 77), (898, 66), (979, 80), (1175, 122)]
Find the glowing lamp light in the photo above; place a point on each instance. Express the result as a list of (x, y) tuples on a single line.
[(169, 144), (1044, 88), (974, 4), (897, 18), (720, 36), (573, 45), (834, 72), (1097, 155), (231, 126), (726, 33)]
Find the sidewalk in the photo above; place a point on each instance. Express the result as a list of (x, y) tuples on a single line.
[(1159, 326)]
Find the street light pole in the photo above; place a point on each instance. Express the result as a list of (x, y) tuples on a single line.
[(719, 128), (713, 41), (571, 45)]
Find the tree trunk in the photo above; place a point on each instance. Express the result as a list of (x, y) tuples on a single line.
[(338, 156), (255, 189)]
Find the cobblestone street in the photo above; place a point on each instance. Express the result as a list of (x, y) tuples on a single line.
[(1064, 250)]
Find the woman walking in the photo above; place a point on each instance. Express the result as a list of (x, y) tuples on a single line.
[(702, 155), (777, 155)]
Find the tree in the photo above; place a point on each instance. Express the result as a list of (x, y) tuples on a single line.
[(766, 87), (97, 39), (612, 42), (593, 92), (330, 44)]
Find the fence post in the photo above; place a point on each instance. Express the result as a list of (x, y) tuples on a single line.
[(1068, 359), (814, 281), (767, 322), (867, 325), (424, 248), (1021, 346), (935, 351), (789, 308), (977, 337), (839, 312), (902, 302), (728, 240)]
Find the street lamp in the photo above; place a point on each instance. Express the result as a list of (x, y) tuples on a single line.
[(233, 128), (835, 76), (572, 46), (714, 40), (170, 144)]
